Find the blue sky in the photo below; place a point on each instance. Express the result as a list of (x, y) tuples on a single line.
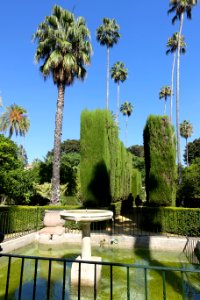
[(144, 28)]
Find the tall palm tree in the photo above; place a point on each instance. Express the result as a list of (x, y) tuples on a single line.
[(14, 119), (108, 35), (165, 92), (126, 109), (64, 49), (180, 7), (119, 74), (172, 45), (186, 130)]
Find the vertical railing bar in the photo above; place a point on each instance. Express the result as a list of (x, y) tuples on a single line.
[(49, 280), (8, 277), (128, 283), (182, 283), (21, 279), (79, 281), (95, 281), (35, 279), (111, 282), (64, 278), (145, 284), (164, 285)]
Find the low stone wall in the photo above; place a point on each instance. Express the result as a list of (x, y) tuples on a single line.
[(17, 243), (103, 240)]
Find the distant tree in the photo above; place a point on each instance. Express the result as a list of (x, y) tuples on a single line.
[(119, 74), (189, 190), (9, 158), (180, 7), (126, 109), (14, 119), (22, 155), (68, 146), (193, 151), (186, 131), (108, 35), (165, 92), (137, 150), (65, 49), (172, 45)]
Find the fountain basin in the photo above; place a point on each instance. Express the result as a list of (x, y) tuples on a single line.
[(86, 215)]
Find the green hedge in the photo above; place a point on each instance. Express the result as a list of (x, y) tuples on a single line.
[(25, 218), (180, 221)]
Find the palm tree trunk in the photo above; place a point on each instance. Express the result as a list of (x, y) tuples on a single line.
[(178, 99), (172, 86), (126, 131), (55, 194), (107, 76), (165, 106), (118, 103), (187, 152)]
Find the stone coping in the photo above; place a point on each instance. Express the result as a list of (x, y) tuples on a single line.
[(103, 240)]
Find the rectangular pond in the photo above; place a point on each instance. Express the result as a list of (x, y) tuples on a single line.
[(126, 274)]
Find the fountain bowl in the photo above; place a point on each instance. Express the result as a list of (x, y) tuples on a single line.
[(86, 215)]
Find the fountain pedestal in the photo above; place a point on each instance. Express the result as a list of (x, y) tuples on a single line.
[(88, 274)]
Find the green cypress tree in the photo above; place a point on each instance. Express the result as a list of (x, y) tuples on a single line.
[(95, 158), (160, 161)]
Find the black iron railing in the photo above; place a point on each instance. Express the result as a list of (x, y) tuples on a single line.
[(30, 277)]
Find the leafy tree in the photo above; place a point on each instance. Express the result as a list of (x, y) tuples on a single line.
[(126, 109), (186, 131), (119, 74), (172, 45), (193, 151), (65, 49), (180, 7), (189, 190), (14, 119), (68, 146), (137, 150), (9, 159), (15, 182), (108, 35), (165, 92)]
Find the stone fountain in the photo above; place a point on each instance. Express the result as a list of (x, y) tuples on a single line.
[(85, 217)]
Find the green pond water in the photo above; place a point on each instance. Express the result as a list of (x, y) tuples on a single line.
[(185, 286)]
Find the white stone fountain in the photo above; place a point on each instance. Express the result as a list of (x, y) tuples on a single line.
[(85, 217)]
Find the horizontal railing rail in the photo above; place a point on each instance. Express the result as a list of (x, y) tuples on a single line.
[(49, 278)]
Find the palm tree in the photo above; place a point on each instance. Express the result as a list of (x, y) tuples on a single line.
[(180, 7), (119, 74), (126, 109), (14, 119), (186, 130), (64, 49), (108, 34), (172, 45), (165, 92)]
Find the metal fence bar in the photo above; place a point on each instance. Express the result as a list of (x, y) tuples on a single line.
[(164, 285), (145, 284), (21, 279), (128, 283), (112, 267), (35, 279), (49, 280), (64, 278)]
